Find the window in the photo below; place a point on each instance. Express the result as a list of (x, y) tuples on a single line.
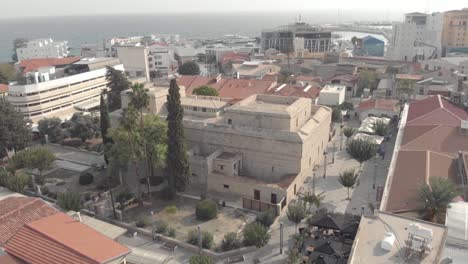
[(221, 167), (229, 121), (256, 195), (203, 109), (195, 108), (226, 186)]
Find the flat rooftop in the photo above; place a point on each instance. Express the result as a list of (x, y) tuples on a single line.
[(267, 104), (372, 230)]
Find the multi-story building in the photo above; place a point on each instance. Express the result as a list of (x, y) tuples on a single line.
[(419, 37), (284, 38), (42, 48), (161, 60), (259, 150), (135, 61), (59, 92), (455, 31)]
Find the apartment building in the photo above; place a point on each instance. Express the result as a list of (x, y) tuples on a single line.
[(259, 149), (135, 61), (455, 31), (43, 48), (285, 38), (51, 91), (161, 60), (418, 38)]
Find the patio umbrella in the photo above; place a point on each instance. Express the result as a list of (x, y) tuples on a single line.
[(326, 248), (351, 228), (326, 222)]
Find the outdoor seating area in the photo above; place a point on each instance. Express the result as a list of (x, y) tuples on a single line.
[(325, 241)]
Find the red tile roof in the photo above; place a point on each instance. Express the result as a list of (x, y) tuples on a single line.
[(62, 239), (3, 88), (429, 148), (9, 259), (297, 91), (234, 57), (191, 82), (34, 64), (15, 212), (381, 104), (242, 88)]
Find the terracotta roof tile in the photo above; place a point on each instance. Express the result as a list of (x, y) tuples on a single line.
[(234, 57), (425, 112), (297, 91), (191, 82), (9, 259), (3, 88), (15, 212), (62, 239), (34, 64), (382, 104), (242, 88)]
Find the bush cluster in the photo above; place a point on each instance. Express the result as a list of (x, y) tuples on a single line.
[(231, 241), (207, 238), (206, 210)]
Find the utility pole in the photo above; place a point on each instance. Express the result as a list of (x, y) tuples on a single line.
[(334, 151), (281, 238), (375, 174), (325, 164), (199, 241), (341, 136)]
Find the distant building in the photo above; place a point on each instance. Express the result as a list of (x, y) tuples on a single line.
[(418, 38), (253, 70), (378, 107), (332, 95), (135, 61), (161, 60), (389, 238), (455, 31), (60, 91), (43, 48), (372, 46), (284, 38)]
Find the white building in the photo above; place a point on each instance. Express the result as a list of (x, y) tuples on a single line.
[(42, 48), (135, 61), (332, 95), (60, 92), (161, 60), (418, 38)]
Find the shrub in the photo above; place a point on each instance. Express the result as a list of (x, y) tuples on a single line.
[(124, 196), (201, 260), (206, 210), (207, 238), (205, 91), (255, 234), (72, 142), (231, 241), (143, 222), (160, 227), (154, 181), (171, 232), (266, 218), (69, 201), (45, 190), (86, 178), (171, 209)]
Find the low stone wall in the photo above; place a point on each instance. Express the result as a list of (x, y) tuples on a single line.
[(189, 247)]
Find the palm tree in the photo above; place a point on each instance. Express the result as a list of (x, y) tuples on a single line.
[(436, 198), (348, 179), (140, 100), (348, 132), (310, 199), (128, 122), (361, 150)]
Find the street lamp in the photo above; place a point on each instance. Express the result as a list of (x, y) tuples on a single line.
[(325, 164)]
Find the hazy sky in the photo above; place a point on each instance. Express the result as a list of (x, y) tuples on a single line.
[(27, 8)]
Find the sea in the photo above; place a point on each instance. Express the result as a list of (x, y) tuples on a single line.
[(91, 29)]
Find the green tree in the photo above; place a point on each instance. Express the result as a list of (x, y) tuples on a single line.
[(436, 197), (347, 106), (201, 260), (15, 130), (206, 91), (367, 79), (361, 150), (14, 182), (230, 241), (118, 83), (336, 114), (69, 201), (296, 212), (189, 68), (348, 179), (7, 73), (140, 100), (105, 126), (256, 234), (52, 128), (84, 126), (41, 158), (348, 132), (380, 128), (178, 168), (155, 136), (310, 199)]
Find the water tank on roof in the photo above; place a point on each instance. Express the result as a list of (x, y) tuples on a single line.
[(388, 241)]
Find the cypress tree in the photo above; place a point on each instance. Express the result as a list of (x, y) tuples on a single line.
[(105, 124), (178, 168)]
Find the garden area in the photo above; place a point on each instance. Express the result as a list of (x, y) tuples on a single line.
[(222, 228)]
